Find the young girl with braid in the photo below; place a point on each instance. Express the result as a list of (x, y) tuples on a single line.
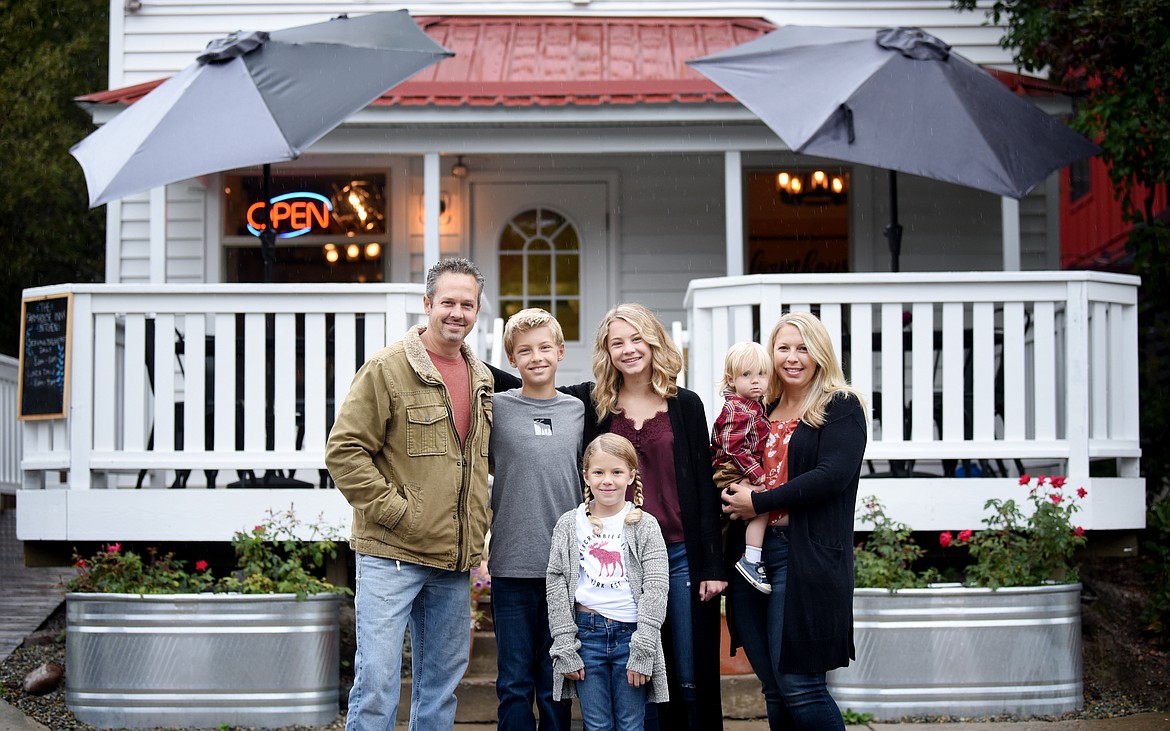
[(607, 582)]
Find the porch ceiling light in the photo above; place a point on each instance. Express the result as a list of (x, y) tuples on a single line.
[(459, 169), (798, 187)]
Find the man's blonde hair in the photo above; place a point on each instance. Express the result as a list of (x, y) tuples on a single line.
[(530, 319), (741, 358)]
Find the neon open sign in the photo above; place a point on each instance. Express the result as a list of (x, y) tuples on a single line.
[(301, 211)]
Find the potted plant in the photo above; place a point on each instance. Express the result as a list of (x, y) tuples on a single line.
[(151, 643), (1006, 640)]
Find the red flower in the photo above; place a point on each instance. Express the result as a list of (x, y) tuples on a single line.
[(114, 548), (1058, 482), (964, 536), (81, 564), (945, 538), (258, 529), (1078, 531), (201, 565), (1055, 498), (1025, 479), (1081, 492), (1041, 480)]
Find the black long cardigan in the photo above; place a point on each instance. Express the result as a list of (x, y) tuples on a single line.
[(824, 466), (701, 511)]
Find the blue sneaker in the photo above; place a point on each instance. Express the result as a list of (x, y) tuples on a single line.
[(755, 574)]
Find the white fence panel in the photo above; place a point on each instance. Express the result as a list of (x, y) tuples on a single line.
[(10, 441)]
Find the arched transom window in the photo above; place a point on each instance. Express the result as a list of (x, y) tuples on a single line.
[(540, 265)]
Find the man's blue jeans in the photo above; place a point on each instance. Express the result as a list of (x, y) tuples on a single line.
[(437, 606), (793, 700), (524, 668), (608, 701)]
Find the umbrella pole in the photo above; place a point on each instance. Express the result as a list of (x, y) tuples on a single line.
[(893, 232), (268, 235)]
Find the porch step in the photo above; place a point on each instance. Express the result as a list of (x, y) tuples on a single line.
[(30, 594), (477, 690)]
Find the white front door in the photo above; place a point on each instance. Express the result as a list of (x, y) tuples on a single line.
[(547, 244)]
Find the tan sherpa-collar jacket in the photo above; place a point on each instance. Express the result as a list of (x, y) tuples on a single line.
[(417, 494)]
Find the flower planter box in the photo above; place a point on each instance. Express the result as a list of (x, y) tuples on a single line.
[(956, 651), (202, 660)]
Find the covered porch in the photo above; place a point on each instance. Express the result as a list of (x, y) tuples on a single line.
[(193, 409)]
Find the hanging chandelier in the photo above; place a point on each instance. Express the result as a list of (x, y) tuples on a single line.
[(803, 187)]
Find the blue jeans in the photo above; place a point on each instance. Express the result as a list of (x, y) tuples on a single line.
[(524, 668), (437, 606), (682, 632), (793, 700), (678, 614), (608, 701)]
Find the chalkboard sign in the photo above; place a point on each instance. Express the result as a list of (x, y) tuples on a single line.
[(46, 327)]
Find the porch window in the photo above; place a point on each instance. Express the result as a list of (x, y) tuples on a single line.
[(540, 266), (330, 226)]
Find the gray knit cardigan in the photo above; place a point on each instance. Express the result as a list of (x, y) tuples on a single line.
[(648, 571)]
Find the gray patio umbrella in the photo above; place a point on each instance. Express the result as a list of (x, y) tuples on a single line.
[(895, 98), (253, 98)]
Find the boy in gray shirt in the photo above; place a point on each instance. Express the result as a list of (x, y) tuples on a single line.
[(536, 450)]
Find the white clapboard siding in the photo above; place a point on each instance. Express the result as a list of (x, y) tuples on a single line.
[(162, 36)]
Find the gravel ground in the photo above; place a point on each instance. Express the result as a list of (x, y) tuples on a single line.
[(1124, 673)]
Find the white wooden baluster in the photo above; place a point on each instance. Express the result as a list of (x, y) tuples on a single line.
[(195, 386), (954, 402), (983, 373), (1044, 371), (922, 372), (315, 364), (1014, 371), (284, 365), (255, 372), (225, 382)]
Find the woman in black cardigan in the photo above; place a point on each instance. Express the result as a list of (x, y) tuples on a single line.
[(804, 628), (635, 395)]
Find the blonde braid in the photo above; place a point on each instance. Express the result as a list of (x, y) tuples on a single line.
[(635, 515), (593, 521)]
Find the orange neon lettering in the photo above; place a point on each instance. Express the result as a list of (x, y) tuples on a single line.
[(320, 213), (299, 214), (258, 225), (280, 212)]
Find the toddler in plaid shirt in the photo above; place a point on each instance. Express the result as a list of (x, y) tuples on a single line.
[(737, 442)]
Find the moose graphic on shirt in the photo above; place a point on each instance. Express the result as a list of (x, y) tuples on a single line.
[(611, 561)]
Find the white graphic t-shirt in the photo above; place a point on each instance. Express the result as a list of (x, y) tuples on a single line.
[(602, 584)]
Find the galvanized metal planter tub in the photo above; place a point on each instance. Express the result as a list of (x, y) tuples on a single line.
[(202, 660), (956, 651)]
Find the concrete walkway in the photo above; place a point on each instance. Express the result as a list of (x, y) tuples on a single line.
[(13, 720)]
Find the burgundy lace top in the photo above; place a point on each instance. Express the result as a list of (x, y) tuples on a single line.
[(654, 443)]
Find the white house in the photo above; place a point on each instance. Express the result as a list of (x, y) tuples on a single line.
[(570, 152)]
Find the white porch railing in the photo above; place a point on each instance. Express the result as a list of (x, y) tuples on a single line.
[(961, 369), (236, 386), (9, 426)]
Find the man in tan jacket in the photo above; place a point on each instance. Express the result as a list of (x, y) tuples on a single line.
[(409, 451)]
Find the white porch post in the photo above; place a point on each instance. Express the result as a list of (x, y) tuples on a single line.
[(430, 209), (1011, 234), (733, 201), (158, 235)]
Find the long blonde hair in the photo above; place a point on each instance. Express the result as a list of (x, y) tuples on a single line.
[(829, 379), (665, 358), (618, 446)]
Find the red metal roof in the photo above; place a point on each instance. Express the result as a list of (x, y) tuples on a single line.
[(556, 61)]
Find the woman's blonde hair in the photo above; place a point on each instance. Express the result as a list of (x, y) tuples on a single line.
[(665, 359), (617, 446), (742, 358), (829, 379)]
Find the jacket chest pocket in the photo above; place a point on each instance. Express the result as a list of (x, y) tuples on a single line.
[(426, 430)]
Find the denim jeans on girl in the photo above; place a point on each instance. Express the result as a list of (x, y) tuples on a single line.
[(793, 700), (682, 634), (436, 604), (608, 701)]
